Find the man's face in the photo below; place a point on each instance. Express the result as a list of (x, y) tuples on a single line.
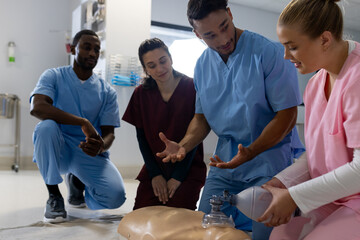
[(218, 31), (87, 51)]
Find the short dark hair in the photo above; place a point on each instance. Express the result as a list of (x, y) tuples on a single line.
[(81, 33), (199, 9)]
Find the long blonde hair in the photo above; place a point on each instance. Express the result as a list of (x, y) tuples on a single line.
[(313, 17)]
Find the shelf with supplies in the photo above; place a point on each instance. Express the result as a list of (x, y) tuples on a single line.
[(117, 63), (123, 70)]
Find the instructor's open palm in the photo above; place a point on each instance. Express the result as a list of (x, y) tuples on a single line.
[(241, 157), (173, 151)]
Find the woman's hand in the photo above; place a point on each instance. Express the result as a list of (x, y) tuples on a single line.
[(275, 182), (280, 209), (172, 186), (160, 188)]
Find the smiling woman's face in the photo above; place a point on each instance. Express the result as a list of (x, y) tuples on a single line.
[(300, 49)]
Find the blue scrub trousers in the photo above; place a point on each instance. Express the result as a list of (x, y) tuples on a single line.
[(58, 153), (215, 185)]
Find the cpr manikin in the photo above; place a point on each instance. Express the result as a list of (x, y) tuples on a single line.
[(163, 223)]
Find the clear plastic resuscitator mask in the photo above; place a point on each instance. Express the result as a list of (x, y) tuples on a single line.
[(252, 202)]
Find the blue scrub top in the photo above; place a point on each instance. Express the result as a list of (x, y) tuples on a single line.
[(240, 97), (94, 99)]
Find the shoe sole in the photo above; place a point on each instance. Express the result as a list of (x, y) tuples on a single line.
[(58, 219), (54, 220), (82, 205)]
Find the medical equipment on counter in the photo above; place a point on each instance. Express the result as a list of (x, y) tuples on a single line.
[(252, 202)]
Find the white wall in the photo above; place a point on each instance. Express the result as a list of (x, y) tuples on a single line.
[(170, 11), (255, 20), (352, 34), (127, 25), (38, 29)]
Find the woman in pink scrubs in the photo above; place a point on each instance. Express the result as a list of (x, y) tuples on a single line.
[(324, 182)]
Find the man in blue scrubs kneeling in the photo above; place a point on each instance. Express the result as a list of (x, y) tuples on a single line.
[(78, 113), (248, 95)]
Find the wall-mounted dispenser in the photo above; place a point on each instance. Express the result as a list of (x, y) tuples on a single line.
[(11, 52)]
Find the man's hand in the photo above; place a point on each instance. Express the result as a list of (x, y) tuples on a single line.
[(88, 129), (172, 186), (244, 154), (160, 188), (173, 151), (280, 209), (93, 146)]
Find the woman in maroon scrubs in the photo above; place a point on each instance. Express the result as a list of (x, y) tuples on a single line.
[(164, 102)]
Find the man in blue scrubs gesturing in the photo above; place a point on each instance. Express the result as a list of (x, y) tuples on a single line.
[(248, 95), (78, 113)]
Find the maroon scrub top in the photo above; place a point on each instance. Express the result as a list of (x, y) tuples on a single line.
[(148, 111)]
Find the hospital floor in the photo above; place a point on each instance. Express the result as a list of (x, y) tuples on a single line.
[(22, 200)]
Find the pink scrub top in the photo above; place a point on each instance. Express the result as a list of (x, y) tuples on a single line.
[(332, 127)]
